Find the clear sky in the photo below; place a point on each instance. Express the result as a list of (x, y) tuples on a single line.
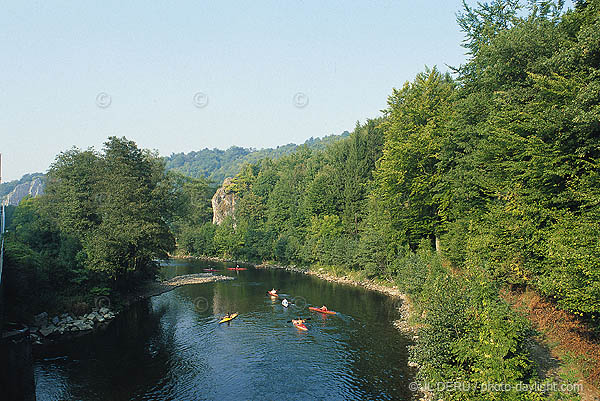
[(74, 73)]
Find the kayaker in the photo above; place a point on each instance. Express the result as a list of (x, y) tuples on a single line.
[(324, 307), (273, 291), (285, 303), (298, 321)]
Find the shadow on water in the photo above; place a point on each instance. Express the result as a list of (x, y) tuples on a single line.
[(172, 347)]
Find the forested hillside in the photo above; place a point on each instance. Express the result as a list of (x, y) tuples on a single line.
[(216, 164), (496, 167), (473, 183)]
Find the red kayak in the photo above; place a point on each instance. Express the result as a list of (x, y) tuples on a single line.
[(300, 325), (210, 270), (273, 294), (327, 311), (237, 268)]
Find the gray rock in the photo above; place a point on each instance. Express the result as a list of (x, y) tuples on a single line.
[(31, 188), (64, 315), (68, 319), (55, 320), (41, 319), (47, 330), (104, 311), (100, 319), (223, 202)]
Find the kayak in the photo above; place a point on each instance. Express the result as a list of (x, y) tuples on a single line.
[(237, 268), (300, 326), (329, 312), (210, 270), (228, 318), (273, 294)]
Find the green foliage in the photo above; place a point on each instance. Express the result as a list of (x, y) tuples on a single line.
[(101, 224), (115, 203), (215, 164), (409, 174)]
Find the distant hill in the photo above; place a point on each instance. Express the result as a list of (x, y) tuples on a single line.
[(216, 164)]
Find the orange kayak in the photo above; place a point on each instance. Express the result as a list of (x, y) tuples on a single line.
[(273, 294), (329, 312), (300, 326)]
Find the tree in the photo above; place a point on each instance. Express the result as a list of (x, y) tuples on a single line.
[(116, 203), (409, 175)]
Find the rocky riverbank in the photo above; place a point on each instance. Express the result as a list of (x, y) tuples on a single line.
[(44, 329)]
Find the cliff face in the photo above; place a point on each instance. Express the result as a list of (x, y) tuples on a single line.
[(223, 202), (32, 188)]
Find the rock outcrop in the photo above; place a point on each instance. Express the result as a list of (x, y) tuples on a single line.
[(223, 202), (32, 188), (46, 329)]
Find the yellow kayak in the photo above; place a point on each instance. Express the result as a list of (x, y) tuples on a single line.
[(228, 318)]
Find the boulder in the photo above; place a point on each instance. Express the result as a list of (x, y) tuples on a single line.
[(41, 320), (55, 320), (47, 330), (104, 311)]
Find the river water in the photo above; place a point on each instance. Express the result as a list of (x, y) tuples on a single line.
[(171, 346)]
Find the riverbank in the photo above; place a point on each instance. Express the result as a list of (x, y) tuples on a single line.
[(45, 330)]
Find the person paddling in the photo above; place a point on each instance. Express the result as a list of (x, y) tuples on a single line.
[(285, 303)]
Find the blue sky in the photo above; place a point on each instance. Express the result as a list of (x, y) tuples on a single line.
[(249, 58)]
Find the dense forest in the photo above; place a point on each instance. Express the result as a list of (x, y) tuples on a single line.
[(215, 164), (472, 181)]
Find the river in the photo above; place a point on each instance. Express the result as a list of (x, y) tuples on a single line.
[(171, 346)]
